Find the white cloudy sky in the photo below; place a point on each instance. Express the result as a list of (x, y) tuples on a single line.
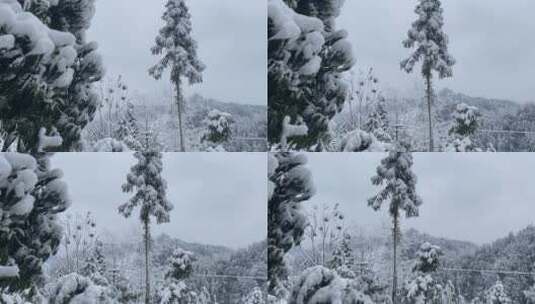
[(492, 41), (219, 198), (476, 197), (231, 38)]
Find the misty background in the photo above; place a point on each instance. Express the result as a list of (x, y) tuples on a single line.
[(218, 198), (492, 41), (476, 197)]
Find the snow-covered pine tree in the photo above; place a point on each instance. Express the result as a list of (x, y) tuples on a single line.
[(464, 127), (178, 50), (398, 186), (497, 294), (47, 72), (290, 185), (256, 296), (31, 196), (423, 288), (307, 57), (431, 47), (175, 290), (218, 128), (343, 260), (128, 130), (377, 122), (150, 196)]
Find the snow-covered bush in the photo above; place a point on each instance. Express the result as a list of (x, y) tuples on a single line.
[(361, 141), (77, 289), (464, 127), (319, 285), (307, 57), (110, 145)]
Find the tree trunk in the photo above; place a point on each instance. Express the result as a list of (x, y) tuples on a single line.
[(429, 96), (147, 279), (395, 234), (179, 112)]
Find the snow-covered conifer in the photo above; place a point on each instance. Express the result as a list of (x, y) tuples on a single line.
[(307, 57), (47, 72), (431, 47), (218, 127), (256, 296), (423, 288), (178, 52), (31, 196), (497, 294), (149, 189), (128, 130), (377, 122), (343, 260), (398, 186), (291, 185), (464, 127)]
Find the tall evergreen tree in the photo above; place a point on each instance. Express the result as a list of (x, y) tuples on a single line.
[(398, 186), (178, 50), (47, 73), (307, 57), (290, 185), (150, 196), (431, 47)]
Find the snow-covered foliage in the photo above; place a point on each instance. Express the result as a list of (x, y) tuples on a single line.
[(110, 145), (361, 141), (377, 122), (497, 295), (307, 58), (47, 70), (397, 182), (180, 264), (31, 197), (292, 184), (218, 126), (343, 261), (464, 126), (424, 288), (150, 189), (77, 289), (319, 285), (256, 296), (430, 41)]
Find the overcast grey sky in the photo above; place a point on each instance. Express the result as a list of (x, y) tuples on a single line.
[(231, 38), (493, 42), (219, 198), (476, 197)]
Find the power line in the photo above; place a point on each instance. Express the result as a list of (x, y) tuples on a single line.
[(489, 271), (226, 276), (505, 131)]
